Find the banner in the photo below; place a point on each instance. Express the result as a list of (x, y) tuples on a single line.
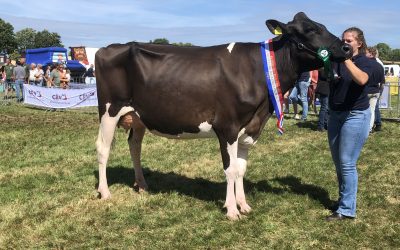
[(384, 101), (79, 53), (60, 98)]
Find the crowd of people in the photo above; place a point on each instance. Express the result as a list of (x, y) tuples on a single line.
[(13, 77)]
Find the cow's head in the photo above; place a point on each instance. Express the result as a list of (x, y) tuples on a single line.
[(307, 37)]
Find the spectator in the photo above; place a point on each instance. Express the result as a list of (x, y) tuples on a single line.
[(65, 78), (322, 91), (348, 125), (299, 94), (90, 75), (375, 82), (8, 70), (311, 90), (286, 101), (55, 75), (32, 74), (39, 76), (47, 76), (19, 75)]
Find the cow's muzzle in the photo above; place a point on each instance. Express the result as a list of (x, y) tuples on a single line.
[(347, 50)]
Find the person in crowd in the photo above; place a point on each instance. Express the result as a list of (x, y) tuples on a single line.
[(373, 52), (39, 76), (311, 90), (90, 75), (286, 101), (65, 78), (19, 75), (55, 75), (32, 74), (374, 85), (47, 76), (299, 95), (8, 70), (349, 117), (322, 91)]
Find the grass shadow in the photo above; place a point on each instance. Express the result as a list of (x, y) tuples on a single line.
[(317, 193), (210, 191)]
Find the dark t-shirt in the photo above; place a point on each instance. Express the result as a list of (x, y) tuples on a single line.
[(377, 77), (322, 84), (346, 94)]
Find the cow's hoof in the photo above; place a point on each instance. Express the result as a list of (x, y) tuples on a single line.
[(245, 209), (104, 194), (233, 214), (140, 187)]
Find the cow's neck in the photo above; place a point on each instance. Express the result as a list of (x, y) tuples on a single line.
[(288, 65)]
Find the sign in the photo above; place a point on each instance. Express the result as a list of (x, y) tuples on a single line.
[(384, 101), (60, 98)]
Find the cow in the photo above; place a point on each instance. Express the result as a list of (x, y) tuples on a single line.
[(201, 92)]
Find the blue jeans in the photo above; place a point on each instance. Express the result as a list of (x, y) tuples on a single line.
[(347, 133), (19, 85), (299, 95), (323, 112)]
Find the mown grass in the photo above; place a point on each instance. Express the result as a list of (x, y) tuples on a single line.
[(48, 198)]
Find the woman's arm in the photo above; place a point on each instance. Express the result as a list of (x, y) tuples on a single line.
[(359, 76)]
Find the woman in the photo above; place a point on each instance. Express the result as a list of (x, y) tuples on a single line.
[(349, 119)]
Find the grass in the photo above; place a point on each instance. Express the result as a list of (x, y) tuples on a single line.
[(48, 198)]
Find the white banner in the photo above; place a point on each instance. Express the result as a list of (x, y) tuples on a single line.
[(60, 98), (384, 101)]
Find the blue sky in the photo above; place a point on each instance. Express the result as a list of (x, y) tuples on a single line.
[(97, 23)]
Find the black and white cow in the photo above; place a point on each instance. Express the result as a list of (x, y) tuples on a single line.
[(197, 92)]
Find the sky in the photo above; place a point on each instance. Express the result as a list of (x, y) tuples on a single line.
[(98, 23)]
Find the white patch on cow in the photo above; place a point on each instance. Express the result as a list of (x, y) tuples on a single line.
[(245, 139), (230, 47), (206, 131)]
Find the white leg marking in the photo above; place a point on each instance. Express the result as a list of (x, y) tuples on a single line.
[(103, 146), (232, 173), (242, 164), (230, 47)]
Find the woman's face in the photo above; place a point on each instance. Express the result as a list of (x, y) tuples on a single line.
[(351, 39)]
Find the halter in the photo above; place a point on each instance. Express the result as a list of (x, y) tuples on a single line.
[(301, 46), (323, 53)]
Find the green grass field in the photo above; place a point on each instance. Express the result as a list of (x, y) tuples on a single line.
[(49, 173)]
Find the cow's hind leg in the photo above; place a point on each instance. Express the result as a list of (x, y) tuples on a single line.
[(242, 165), (135, 146), (103, 146)]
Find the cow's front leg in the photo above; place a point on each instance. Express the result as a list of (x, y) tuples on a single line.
[(242, 164), (229, 159), (135, 145), (103, 146)]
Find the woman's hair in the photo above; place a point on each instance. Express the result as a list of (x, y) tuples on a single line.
[(359, 37)]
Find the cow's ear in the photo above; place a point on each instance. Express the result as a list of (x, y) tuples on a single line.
[(276, 27)]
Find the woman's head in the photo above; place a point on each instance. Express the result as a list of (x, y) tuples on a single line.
[(355, 38)]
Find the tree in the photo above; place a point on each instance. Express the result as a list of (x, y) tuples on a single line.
[(26, 39), (160, 41), (182, 44), (396, 55), (45, 38), (7, 37), (384, 51)]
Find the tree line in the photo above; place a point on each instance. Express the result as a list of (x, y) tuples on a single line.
[(15, 43)]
